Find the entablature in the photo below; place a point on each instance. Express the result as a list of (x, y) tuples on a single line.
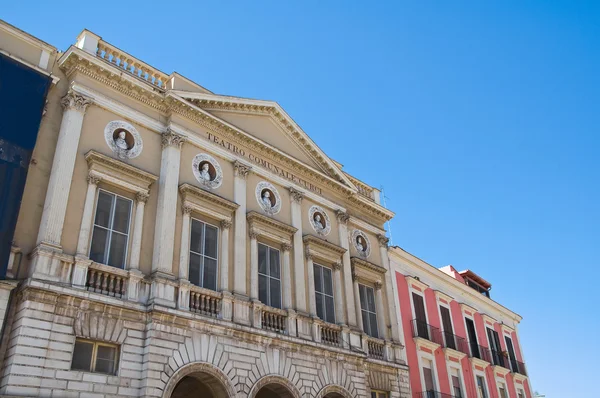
[(118, 173)]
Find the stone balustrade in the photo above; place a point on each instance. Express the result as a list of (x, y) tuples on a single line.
[(131, 65), (376, 348), (331, 334), (106, 280), (205, 301), (273, 319)]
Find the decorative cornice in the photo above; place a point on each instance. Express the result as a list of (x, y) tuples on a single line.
[(240, 169), (141, 197), (119, 173), (342, 217), (296, 195), (313, 241), (263, 222), (170, 138), (197, 195), (74, 101), (359, 262)]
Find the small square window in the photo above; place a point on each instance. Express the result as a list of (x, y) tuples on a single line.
[(93, 356), (379, 394)]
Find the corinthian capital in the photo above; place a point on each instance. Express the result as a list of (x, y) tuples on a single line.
[(170, 138), (75, 101), (241, 170), (342, 216), (296, 195), (142, 197), (383, 240), (93, 179)]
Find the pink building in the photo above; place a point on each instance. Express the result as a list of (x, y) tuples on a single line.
[(458, 341)]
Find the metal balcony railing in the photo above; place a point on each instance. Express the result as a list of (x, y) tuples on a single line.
[(432, 394), (481, 352), (499, 358), (426, 331), (517, 367), (455, 342)]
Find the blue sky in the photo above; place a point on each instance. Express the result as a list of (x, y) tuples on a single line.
[(480, 119)]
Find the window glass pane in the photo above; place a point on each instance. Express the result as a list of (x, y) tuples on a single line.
[(262, 259), (106, 359), (365, 319), (373, 322), (210, 246), (318, 280), (194, 275), (98, 247), (363, 298), (329, 309), (82, 356), (263, 296), (370, 299), (196, 236), (121, 217), (274, 263), (210, 273), (118, 247), (275, 293), (103, 209), (320, 306), (327, 282), (373, 395)]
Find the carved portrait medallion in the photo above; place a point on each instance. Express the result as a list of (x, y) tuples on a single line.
[(319, 220), (123, 139), (207, 171), (361, 243), (268, 198)]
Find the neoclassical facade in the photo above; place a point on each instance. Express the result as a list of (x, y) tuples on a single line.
[(174, 242)]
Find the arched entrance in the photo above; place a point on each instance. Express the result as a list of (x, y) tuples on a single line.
[(274, 387), (199, 380), (274, 391), (333, 395)]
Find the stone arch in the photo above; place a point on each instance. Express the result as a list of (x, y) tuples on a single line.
[(332, 374), (335, 389), (274, 379), (198, 367)]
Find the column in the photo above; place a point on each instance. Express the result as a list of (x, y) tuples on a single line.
[(339, 300), (88, 216), (138, 227), (184, 247), (224, 265), (381, 324), (57, 195), (351, 311), (359, 322), (296, 209), (287, 276), (312, 304), (166, 213), (389, 290), (253, 266), (239, 249)]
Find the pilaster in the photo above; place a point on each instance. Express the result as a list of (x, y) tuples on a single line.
[(138, 227), (239, 249), (299, 280), (224, 264), (342, 219)]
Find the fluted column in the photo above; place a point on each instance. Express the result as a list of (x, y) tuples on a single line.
[(389, 290), (351, 312), (166, 213), (88, 216), (381, 325), (138, 227), (299, 280), (339, 300), (184, 247), (253, 265), (224, 265), (239, 249), (359, 321), (59, 186), (312, 304), (287, 277)]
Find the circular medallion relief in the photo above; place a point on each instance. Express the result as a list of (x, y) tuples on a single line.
[(207, 171), (361, 243), (319, 220), (123, 139), (268, 198)]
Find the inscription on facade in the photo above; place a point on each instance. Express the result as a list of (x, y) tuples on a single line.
[(236, 150)]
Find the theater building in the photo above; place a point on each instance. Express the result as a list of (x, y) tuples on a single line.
[(458, 341), (174, 242)]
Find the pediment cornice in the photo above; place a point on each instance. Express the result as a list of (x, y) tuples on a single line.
[(77, 61)]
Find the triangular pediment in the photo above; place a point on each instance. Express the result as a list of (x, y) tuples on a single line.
[(269, 123)]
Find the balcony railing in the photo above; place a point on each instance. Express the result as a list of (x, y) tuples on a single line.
[(499, 359), (205, 301), (274, 319), (426, 331), (106, 280), (518, 367), (432, 394), (331, 334), (481, 352), (455, 342), (376, 348)]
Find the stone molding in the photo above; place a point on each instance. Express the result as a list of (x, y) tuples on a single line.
[(117, 173), (262, 225), (319, 248), (207, 203)]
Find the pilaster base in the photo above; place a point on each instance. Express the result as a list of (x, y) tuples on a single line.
[(134, 284), (304, 328), (227, 306), (257, 314), (163, 289), (80, 271), (291, 323), (49, 263), (183, 297), (241, 310)]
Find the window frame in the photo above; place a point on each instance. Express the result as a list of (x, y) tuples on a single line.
[(94, 356), (485, 385), (190, 252), (447, 306), (110, 230), (379, 394), (458, 368), (268, 276), (362, 285), (332, 296)]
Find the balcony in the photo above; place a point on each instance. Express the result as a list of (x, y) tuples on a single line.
[(432, 394), (499, 359), (376, 348), (517, 367), (455, 342), (481, 352), (425, 331)]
